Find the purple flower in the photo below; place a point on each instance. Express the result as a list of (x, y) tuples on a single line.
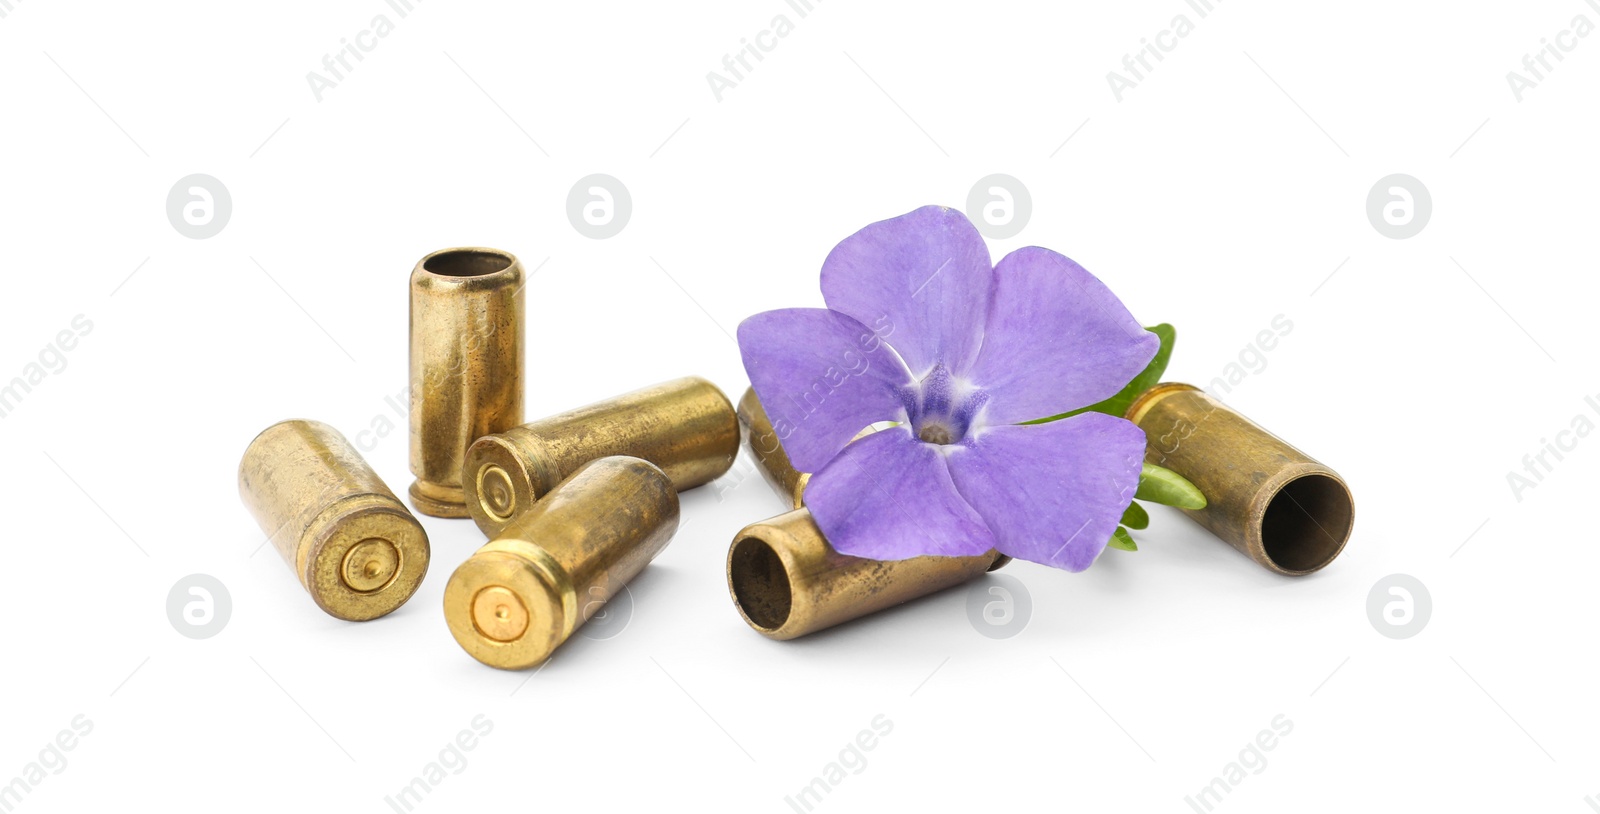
[(921, 329)]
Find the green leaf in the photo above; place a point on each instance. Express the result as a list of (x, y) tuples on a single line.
[(1161, 485), (1151, 376), (1122, 541), (1136, 517)]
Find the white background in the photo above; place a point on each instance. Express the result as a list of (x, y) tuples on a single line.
[(1222, 191)]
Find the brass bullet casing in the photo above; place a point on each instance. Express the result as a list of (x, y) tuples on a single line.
[(685, 426), (466, 365), (355, 547), (787, 581), (1282, 508), (519, 597), (764, 443)]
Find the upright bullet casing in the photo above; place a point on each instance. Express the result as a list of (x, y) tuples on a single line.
[(685, 426), (466, 365), (355, 547), (1282, 508), (519, 597)]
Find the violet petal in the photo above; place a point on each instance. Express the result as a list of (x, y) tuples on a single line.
[(889, 496), (1056, 339), (1052, 493), (923, 280), (822, 377)]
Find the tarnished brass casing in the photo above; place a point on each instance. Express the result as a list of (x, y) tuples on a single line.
[(787, 581), (768, 449), (466, 365), (685, 426), (1279, 506), (355, 547), (519, 597)]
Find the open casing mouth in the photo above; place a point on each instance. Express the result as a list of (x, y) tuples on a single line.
[(760, 583), (1281, 507), (1306, 523), (467, 359), (785, 577), (471, 262), (787, 581)]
